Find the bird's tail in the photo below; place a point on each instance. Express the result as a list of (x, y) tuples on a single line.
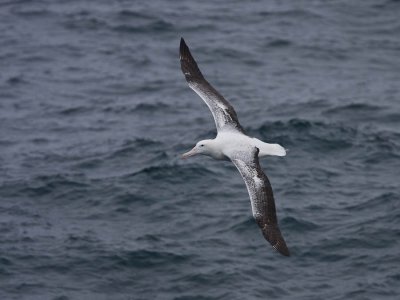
[(269, 149)]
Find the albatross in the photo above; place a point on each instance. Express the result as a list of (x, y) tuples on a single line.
[(233, 144)]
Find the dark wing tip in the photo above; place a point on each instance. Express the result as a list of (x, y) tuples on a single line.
[(273, 235), (183, 44), (282, 249), (184, 52), (182, 47), (188, 64)]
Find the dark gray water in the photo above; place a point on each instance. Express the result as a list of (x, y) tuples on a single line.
[(95, 202)]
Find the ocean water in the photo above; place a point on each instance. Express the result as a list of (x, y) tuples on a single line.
[(95, 202)]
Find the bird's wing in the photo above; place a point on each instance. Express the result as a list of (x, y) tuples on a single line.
[(261, 197), (224, 115)]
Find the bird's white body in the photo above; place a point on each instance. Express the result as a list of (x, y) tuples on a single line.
[(233, 141), (229, 142)]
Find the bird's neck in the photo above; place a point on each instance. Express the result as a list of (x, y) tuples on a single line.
[(215, 150)]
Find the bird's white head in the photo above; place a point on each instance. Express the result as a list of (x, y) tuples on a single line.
[(205, 147)]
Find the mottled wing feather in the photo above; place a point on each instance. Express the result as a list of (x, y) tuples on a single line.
[(261, 197), (224, 115)]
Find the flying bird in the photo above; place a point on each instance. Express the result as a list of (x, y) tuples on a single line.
[(233, 144)]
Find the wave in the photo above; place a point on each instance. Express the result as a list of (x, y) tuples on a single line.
[(297, 225), (129, 14), (129, 147), (311, 135), (317, 254), (354, 109), (148, 108), (30, 12), (142, 259), (16, 80), (83, 21), (153, 27), (279, 43), (384, 199), (291, 13), (317, 136), (45, 185), (75, 110), (173, 173), (123, 21), (243, 225)]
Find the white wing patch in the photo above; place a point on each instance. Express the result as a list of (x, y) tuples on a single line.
[(253, 184), (222, 106), (217, 109)]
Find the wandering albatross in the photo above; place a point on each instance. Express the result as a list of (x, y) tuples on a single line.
[(233, 144)]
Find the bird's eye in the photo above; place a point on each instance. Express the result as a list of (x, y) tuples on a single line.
[(202, 145)]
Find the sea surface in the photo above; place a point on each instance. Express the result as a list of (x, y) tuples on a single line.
[(95, 202)]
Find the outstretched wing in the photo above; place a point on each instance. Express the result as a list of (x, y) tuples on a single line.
[(261, 197), (224, 115)]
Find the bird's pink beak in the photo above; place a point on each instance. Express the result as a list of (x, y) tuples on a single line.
[(190, 153)]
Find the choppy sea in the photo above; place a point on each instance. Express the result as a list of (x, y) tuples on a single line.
[(95, 202)]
